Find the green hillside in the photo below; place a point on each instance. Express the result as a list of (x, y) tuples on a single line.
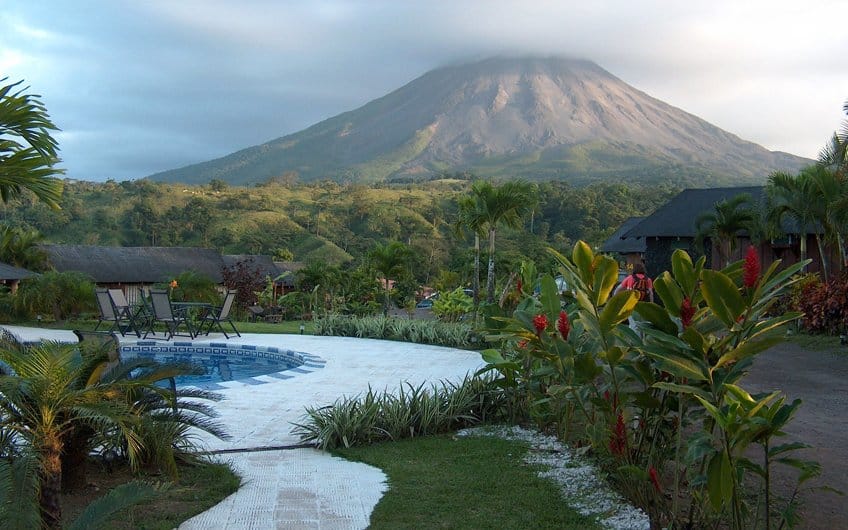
[(329, 222)]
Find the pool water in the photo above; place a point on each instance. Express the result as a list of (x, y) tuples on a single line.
[(219, 362)]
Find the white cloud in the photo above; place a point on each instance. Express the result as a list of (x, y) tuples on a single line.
[(221, 75)]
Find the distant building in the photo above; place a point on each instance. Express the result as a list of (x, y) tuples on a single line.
[(672, 227), (11, 276), (631, 249), (134, 268)]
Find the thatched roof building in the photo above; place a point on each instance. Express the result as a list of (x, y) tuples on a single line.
[(135, 265)]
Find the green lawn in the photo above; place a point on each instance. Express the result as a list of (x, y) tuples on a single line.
[(199, 488), (818, 342), (459, 482)]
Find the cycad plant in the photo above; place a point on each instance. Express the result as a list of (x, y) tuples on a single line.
[(58, 402)]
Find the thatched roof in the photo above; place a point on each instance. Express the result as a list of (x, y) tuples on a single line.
[(291, 267), (135, 264), (264, 264), (618, 242), (10, 272)]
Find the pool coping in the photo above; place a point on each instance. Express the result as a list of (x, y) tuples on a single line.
[(305, 362)]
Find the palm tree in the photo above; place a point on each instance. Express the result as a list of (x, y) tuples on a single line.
[(831, 206), (390, 260), (798, 198), (19, 247), (503, 205), (28, 153), (834, 155), (59, 399), (471, 218), (724, 222)]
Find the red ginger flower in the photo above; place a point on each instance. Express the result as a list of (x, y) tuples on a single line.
[(655, 479), (618, 439), (686, 313), (540, 322), (563, 325), (751, 267)]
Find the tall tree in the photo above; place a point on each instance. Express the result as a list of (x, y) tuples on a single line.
[(471, 217), (724, 222), (28, 153), (834, 155), (19, 247), (797, 197), (502, 205), (392, 262)]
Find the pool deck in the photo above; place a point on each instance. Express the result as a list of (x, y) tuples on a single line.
[(303, 488)]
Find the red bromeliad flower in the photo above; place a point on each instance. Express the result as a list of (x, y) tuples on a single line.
[(686, 313), (752, 268), (540, 322), (618, 440), (563, 325), (518, 286), (655, 479)]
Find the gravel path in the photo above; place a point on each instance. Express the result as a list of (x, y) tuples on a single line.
[(820, 379)]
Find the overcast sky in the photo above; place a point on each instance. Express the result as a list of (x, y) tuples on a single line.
[(144, 86)]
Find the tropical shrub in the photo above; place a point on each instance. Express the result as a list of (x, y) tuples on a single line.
[(632, 397), (246, 278), (58, 294), (409, 412), (191, 286), (825, 305), (59, 402), (453, 305), (417, 331)]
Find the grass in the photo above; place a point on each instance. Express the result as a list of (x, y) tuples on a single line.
[(199, 488), (468, 482), (818, 342)]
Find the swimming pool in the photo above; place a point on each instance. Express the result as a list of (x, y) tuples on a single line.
[(225, 362)]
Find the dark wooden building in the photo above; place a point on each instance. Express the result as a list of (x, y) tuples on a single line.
[(630, 249), (672, 227)]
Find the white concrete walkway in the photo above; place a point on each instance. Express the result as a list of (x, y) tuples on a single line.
[(304, 488)]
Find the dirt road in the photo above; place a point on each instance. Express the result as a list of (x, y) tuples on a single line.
[(820, 379)]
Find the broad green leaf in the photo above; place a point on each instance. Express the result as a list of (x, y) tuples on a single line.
[(606, 274), (637, 472), (739, 393), (582, 258), (747, 349), (669, 292), (549, 296), (713, 411), (492, 356), (679, 366), (695, 340), (714, 485), (684, 389), (722, 296), (786, 448), (585, 367), (684, 271), (617, 309), (657, 316), (613, 355)]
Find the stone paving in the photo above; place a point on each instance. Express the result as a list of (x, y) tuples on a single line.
[(304, 488)]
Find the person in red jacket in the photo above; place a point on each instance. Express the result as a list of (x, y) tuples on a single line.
[(639, 282)]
